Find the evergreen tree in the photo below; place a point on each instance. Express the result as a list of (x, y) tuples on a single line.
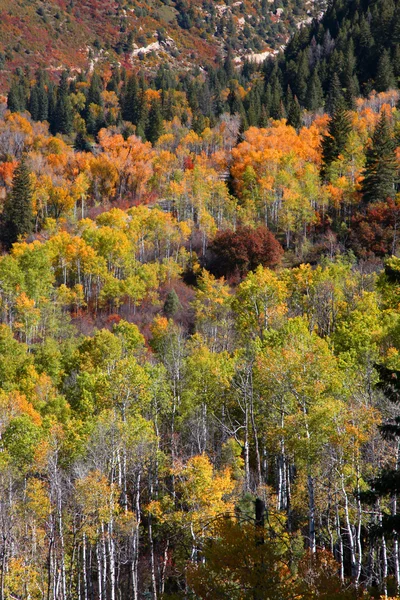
[(384, 76), (302, 76), (155, 124), (235, 102), (229, 66), (335, 96), (294, 114), (51, 105), (352, 88), (315, 94), (264, 116), (266, 105), (17, 214), (95, 89), (381, 172), (131, 101), (172, 304), (34, 104), (43, 102), (62, 119), (17, 98), (334, 143), (277, 109), (39, 101), (82, 144)]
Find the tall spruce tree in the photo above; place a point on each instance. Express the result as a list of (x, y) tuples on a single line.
[(334, 143), (17, 100), (17, 218), (34, 104), (294, 114), (385, 79), (381, 170), (335, 96), (39, 101), (62, 118), (131, 101), (155, 124), (315, 93)]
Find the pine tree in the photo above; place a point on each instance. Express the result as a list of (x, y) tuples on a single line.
[(95, 89), (62, 119), (352, 88), (155, 124), (384, 75), (294, 114), (264, 116), (39, 101), (131, 101), (43, 101), (335, 96), (302, 76), (17, 98), (229, 66), (34, 104), (315, 94), (235, 102), (381, 172), (17, 218), (51, 104), (172, 304), (334, 143), (82, 144), (277, 109)]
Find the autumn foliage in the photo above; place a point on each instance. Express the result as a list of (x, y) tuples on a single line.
[(235, 253)]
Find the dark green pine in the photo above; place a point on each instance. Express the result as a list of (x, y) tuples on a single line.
[(172, 304), (16, 99), (335, 95), (34, 104), (381, 171), (62, 120), (17, 215), (294, 114), (131, 101), (315, 94), (95, 90), (155, 125), (385, 79), (334, 143)]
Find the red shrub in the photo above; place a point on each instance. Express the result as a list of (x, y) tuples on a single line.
[(240, 251), (376, 232)]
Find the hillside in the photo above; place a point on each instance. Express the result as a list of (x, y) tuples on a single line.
[(77, 33), (199, 300), (355, 46)]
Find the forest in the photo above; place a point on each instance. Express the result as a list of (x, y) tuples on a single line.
[(200, 325)]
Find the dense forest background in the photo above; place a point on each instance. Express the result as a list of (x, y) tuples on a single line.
[(199, 322)]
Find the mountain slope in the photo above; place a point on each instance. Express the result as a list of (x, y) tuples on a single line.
[(356, 40), (75, 32)]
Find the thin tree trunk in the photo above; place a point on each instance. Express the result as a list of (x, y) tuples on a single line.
[(136, 539), (99, 571), (164, 568), (84, 567), (152, 561), (340, 543), (311, 514), (349, 532)]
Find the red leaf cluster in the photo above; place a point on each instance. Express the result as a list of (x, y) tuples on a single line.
[(235, 253)]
